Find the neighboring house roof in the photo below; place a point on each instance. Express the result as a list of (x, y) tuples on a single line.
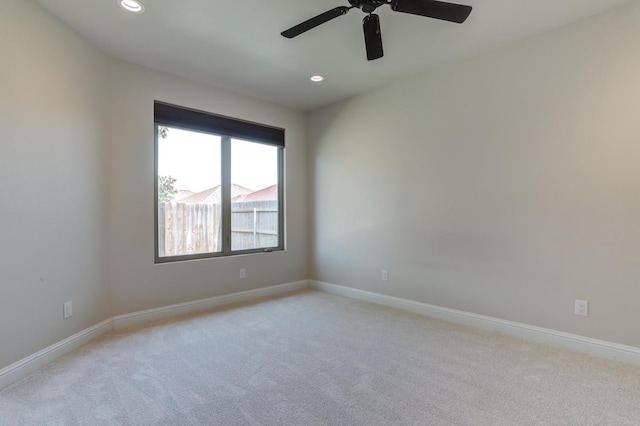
[(212, 195), (182, 193), (269, 193)]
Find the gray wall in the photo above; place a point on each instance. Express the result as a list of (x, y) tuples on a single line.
[(54, 159), (505, 184)]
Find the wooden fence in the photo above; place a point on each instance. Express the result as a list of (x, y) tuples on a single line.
[(188, 229), (195, 228), (254, 225)]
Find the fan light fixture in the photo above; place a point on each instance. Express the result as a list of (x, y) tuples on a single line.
[(132, 5), (316, 78)]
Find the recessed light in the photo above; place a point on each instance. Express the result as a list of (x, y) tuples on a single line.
[(132, 5), (316, 78)]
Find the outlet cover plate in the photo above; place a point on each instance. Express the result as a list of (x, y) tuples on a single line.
[(67, 311), (582, 308)]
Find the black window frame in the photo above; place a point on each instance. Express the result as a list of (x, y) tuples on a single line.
[(227, 128)]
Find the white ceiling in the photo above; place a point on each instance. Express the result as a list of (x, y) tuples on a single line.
[(237, 44)]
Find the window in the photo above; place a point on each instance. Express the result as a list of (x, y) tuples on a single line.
[(219, 185)]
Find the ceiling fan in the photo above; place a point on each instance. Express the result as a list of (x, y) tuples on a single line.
[(371, 23)]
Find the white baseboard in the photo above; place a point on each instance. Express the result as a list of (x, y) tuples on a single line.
[(599, 348), (34, 362), (163, 312)]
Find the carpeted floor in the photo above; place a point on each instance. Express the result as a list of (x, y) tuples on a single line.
[(318, 359)]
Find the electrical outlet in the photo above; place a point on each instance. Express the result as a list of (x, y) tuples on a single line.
[(385, 275), (582, 308), (243, 273), (67, 310)]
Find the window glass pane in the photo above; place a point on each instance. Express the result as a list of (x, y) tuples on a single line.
[(254, 195), (189, 190)]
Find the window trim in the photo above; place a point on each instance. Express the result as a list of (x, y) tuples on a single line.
[(226, 128)]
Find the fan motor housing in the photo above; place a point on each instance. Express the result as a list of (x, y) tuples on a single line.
[(367, 6)]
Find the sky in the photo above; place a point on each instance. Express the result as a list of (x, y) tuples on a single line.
[(193, 159)]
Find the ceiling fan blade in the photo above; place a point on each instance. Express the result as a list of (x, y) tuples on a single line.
[(372, 36), (451, 12), (315, 21)]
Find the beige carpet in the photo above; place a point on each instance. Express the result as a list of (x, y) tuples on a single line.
[(317, 359)]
